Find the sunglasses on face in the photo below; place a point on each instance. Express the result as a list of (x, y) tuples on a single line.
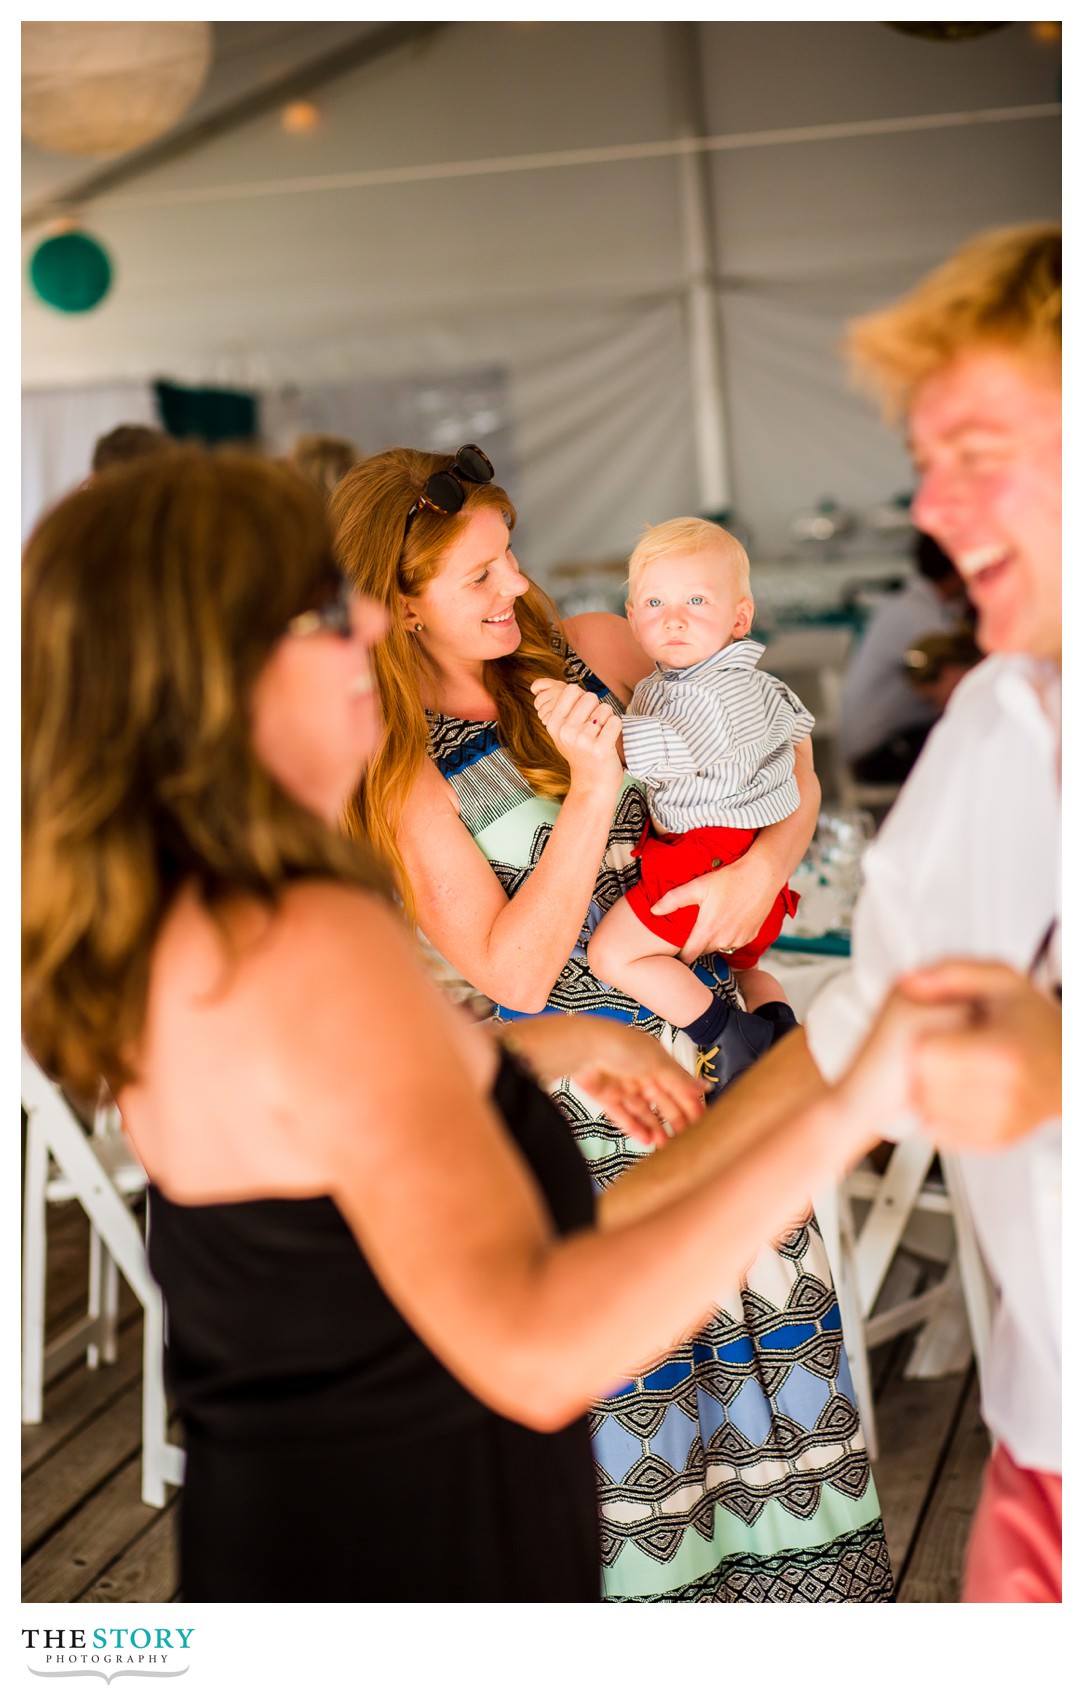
[(444, 492), (333, 612)]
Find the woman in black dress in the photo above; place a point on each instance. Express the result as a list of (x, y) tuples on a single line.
[(371, 1229)]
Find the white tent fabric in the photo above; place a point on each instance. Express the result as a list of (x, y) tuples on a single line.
[(592, 416), (59, 430), (503, 200)]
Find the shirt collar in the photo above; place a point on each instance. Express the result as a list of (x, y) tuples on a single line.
[(1029, 690), (742, 652)]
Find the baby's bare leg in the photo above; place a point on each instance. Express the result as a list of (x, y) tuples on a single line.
[(625, 953), (757, 986)]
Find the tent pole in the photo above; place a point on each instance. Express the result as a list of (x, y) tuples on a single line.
[(700, 270)]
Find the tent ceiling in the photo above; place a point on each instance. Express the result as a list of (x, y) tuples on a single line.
[(507, 202), (248, 58)]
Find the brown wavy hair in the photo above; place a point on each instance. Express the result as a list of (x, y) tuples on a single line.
[(388, 561), (151, 600)]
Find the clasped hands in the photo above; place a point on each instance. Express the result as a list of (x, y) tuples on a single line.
[(980, 1051), (584, 729), (970, 1047)]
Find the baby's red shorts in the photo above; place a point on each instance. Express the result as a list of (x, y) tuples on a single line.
[(668, 859)]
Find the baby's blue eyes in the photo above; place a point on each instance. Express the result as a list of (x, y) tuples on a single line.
[(695, 601), (656, 601)]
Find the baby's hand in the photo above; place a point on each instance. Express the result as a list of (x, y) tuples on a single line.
[(584, 730), (547, 692)]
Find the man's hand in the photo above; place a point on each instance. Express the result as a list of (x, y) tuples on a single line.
[(997, 1078)]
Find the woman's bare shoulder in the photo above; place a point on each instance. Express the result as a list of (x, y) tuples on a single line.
[(241, 947), (329, 968), (258, 1016), (430, 801)]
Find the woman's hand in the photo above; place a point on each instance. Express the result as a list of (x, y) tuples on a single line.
[(734, 901), (638, 1084), (584, 730), (733, 904)]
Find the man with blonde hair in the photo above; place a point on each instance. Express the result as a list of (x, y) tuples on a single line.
[(967, 864)]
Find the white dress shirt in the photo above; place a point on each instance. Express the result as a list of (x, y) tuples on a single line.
[(714, 742), (968, 864)]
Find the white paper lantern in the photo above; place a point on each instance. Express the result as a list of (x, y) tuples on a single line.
[(103, 89)]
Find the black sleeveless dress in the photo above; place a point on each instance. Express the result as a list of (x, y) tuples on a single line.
[(330, 1455)]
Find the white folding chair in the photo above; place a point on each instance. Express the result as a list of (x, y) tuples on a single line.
[(956, 1310), (100, 1171), (904, 1203)]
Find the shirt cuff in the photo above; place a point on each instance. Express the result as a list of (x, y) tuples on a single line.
[(650, 747), (836, 1027)]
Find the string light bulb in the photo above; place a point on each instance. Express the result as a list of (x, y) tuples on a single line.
[(300, 117)]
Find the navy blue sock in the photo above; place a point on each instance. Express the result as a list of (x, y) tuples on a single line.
[(707, 1027)]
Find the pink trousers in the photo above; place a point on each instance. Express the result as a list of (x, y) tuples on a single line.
[(1014, 1552)]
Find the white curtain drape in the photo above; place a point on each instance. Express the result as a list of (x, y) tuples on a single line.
[(59, 430)]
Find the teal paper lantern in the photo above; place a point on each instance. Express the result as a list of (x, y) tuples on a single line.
[(71, 272)]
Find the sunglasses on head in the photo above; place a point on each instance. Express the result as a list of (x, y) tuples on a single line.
[(332, 612), (444, 492)]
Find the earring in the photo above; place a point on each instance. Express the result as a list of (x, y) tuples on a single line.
[(419, 626)]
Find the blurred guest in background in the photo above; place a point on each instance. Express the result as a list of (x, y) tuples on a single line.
[(884, 721), (129, 442), (939, 661), (323, 460)]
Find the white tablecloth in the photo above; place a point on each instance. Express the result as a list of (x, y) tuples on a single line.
[(802, 976)]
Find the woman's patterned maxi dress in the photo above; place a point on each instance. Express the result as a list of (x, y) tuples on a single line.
[(734, 1469)]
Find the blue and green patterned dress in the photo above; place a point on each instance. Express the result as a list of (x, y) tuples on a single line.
[(734, 1469)]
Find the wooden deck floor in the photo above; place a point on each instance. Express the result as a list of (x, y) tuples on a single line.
[(88, 1536)]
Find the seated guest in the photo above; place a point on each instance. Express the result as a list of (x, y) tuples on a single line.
[(884, 722), (939, 661)]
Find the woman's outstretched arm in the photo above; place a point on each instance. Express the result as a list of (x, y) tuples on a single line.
[(379, 1072)]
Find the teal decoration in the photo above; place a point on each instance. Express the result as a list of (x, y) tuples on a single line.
[(71, 272), (209, 415)]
